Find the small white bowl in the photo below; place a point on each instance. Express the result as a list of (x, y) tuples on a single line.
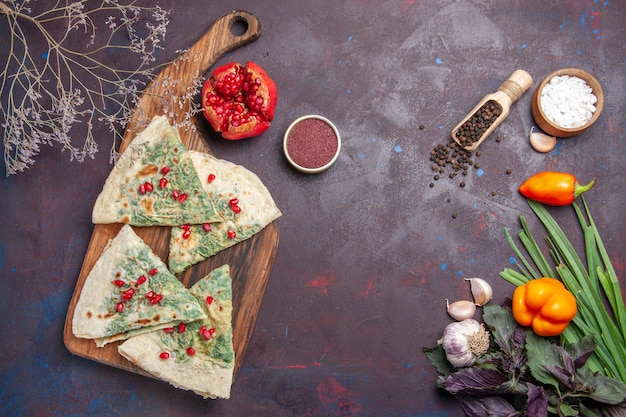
[(293, 159)]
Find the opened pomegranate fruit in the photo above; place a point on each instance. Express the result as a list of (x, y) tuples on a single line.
[(239, 101)]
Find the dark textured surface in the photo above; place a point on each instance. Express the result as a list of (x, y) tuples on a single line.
[(368, 250)]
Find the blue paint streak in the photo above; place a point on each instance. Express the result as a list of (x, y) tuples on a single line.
[(512, 260), (440, 238), (443, 267), (524, 45), (349, 38), (438, 61), (44, 55), (361, 156), (480, 172), (459, 273), (348, 92), (397, 148)]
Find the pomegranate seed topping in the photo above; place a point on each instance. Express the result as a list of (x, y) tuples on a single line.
[(118, 282), (128, 294), (142, 189), (153, 271), (182, 197), (119, 307), (164, 355), (150, 294), (207, 334), (168, 330), (148, 186), (209, 300), (156, 299), (165, 170), (186, 234), (233, 202), (211, 178), (175, 194), (141, 280), (163, 183), (236, 209), (231, 234), (181, 327), (206, 227), (191, 351)]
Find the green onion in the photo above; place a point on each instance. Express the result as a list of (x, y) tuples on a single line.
[(594, 283)]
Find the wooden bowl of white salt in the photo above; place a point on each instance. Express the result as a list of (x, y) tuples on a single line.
[(567, 102)]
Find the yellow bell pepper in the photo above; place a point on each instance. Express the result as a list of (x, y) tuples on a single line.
[(545, 304)]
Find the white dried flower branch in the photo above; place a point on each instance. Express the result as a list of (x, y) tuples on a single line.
[(74, 81)]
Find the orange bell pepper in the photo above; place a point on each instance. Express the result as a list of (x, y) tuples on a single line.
[(553, 188), (545, 304)]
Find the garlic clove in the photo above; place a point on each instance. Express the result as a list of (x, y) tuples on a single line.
[(461, 310), (541, 142), (481, 291)]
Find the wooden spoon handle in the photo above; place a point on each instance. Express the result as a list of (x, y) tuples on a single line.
[(172, 91)]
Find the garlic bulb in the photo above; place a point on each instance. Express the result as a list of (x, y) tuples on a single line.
[(481, 290), (464, 342), (461, 310)]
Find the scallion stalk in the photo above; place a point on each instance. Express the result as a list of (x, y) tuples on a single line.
[(594, 283)]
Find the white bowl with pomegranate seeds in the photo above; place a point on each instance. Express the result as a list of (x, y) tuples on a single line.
[(312, 144)]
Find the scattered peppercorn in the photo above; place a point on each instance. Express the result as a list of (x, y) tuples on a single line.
[(454, 215), (509, 171), (494, 193), (450, 156), (498, 138), (422, 127), (462, 184)]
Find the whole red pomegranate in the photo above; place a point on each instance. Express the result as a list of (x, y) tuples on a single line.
[(239, 101)]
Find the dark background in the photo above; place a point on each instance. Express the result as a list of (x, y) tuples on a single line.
[(368, 250)]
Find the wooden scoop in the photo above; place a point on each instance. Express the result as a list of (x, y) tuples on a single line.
[(508, 93)]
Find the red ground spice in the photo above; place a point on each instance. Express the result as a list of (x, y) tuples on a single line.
[(312, 143)]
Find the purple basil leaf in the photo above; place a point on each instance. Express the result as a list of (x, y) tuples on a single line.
[(568, 361), (486, 406), (581, 350), (537, 401), (474, 381), (561, 374)]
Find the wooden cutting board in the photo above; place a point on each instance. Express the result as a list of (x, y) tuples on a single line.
[(172, 93)]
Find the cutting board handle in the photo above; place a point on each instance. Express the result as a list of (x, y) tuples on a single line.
[(221, 38), (171, 91)]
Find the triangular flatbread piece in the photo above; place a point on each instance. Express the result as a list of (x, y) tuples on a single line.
[(241, 199), (154, 183), (129, 289), (198, 356)]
